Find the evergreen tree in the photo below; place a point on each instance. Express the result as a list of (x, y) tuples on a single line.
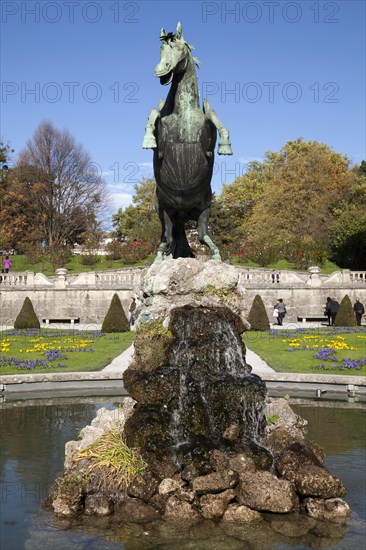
[(345, 316), (258, 317), (27, 317), (115, 320)]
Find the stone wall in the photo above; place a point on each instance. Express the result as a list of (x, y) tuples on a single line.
[(88, 295)]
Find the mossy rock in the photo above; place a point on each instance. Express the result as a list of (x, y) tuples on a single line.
[(115, 320), (258, 317), (345, 316), (160, 386), (152, 345), (149, 429), (27, 317)]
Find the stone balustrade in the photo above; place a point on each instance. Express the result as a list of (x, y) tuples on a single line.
[(130, 278), (24, 279), (88, 295), (357, 277)]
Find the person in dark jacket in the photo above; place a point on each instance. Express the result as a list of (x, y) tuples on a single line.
[(359, 310), (327, 309), (334, 307), (280, 306)]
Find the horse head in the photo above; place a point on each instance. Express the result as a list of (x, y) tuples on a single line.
[(174, 55)]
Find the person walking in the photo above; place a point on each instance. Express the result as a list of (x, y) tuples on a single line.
[(6, 264), (328, 306), (132, 311), (359, 310), (334, 307), (281, 308)]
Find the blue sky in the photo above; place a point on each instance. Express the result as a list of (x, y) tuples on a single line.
[(273, 71)]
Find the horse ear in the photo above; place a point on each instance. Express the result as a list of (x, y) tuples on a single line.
[(162, 33), (179, 32)]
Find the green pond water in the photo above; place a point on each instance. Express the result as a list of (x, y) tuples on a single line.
[(32, 445)]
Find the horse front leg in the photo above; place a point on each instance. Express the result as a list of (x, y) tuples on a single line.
[(166, 237), (204, 237), (149, 141), (224, 147)]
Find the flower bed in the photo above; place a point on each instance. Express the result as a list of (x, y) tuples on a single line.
[(335, 350), (73, 350)]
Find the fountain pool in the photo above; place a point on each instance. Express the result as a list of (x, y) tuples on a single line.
[(33, 436)]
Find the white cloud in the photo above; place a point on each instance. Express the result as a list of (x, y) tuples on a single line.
[(121, 200), (146, 166), (246, 160)]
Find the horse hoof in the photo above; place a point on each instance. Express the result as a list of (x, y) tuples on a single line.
[(149, 142), (224, 149), (158, 260)]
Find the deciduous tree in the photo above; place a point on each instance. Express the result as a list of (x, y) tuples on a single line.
[(292, 216), (139, 221), (348, 229), (65, 185)]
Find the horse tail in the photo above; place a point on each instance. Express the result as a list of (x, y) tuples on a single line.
[(180, 247)]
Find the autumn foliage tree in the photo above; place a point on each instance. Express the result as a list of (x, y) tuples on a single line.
[(55, 190), (347, 231), (284, 206), (139, 222)]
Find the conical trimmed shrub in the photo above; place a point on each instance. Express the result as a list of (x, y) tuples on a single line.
[(27, 317), (258, 317), (115, 320), (345, 316)]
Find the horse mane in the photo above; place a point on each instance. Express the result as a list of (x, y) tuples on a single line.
[(171, 37)]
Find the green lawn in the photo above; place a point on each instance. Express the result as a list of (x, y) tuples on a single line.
[(326, 269), (50, 350), (293, 350), (74, 265)]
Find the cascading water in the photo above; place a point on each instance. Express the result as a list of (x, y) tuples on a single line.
[(210, 398)]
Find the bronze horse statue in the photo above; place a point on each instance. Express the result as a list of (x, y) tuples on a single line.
[(183, 138)]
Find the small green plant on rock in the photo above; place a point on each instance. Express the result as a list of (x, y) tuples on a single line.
[(211, 290), (273, 419), (258, 317), (110, 455), (27, 317)]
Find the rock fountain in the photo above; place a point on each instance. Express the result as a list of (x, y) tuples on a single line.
[(197, 418)]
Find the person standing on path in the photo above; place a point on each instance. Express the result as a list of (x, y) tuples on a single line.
[(328, 307), (132, 311), (359, 310), (281, 308), (6, 264), (334, 307)]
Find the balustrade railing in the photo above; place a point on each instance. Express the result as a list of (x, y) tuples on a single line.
[(357, 277), (131, 277), (14, 278), (112, 278)]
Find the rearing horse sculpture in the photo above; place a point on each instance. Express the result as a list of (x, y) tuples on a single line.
[(183, 138)]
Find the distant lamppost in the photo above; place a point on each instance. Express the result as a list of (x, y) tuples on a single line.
[(4, 168)]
